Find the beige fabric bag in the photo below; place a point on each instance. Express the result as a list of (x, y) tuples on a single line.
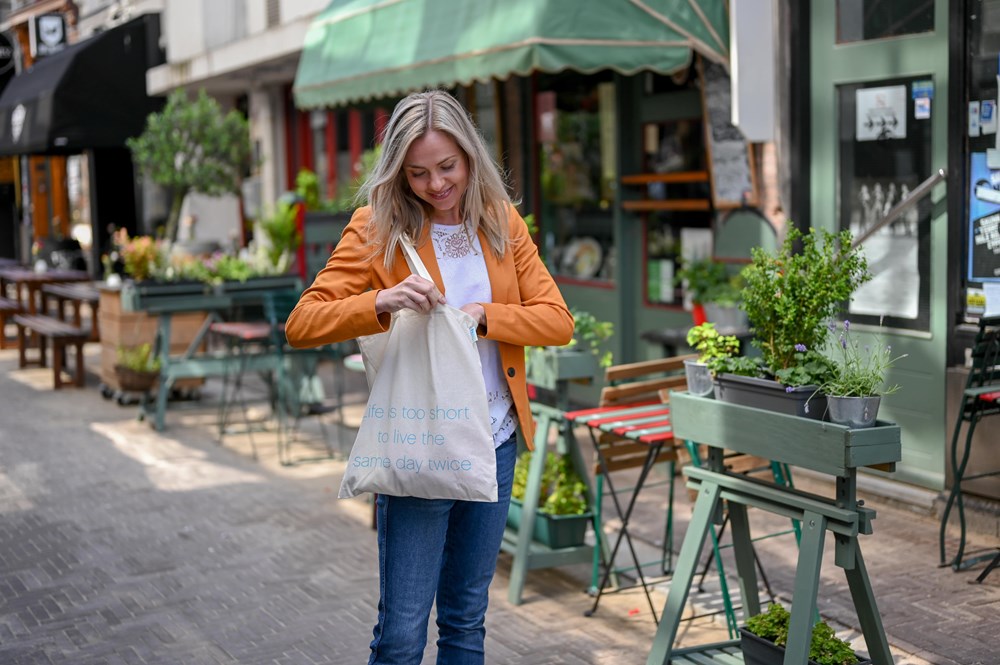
[(426, 431)]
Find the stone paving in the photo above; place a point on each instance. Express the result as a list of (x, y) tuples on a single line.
[(119, 544)]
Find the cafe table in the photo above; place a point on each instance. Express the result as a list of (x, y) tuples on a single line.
[(28, 283)]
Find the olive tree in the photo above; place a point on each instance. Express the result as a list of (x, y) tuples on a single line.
[(191, 146)]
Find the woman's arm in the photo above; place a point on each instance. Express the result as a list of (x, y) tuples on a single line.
[(541, 318), (340, 304)]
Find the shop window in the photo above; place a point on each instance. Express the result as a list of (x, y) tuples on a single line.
[(578, 157), (344, 176), (861, 20), (486, 113), (317, 127)]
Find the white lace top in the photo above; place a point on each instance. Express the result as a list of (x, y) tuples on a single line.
[(463, 269)]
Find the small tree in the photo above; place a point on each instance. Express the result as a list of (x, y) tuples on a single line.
[(190, 146)]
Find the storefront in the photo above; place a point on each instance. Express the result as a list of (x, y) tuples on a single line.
[(596, 114), (900, 91), (78, 107)]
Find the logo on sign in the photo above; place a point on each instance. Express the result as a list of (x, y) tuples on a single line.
[(48, 34), (17, 121)]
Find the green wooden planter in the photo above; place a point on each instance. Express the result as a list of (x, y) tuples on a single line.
[(812, 444), (553, 531), (546, 366), (195, 296)]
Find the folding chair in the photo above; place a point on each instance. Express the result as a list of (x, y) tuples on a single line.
[(631, 429), (248, 338), (981, 398)]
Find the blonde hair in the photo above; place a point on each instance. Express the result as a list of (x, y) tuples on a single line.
[(396, 211)]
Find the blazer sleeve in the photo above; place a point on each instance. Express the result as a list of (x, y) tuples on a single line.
[(340, 304), (541, 318)]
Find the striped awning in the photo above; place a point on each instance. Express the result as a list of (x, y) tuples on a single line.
[(357, 50)]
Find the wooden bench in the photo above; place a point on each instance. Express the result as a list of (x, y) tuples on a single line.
[(62, 335), (8, 308)]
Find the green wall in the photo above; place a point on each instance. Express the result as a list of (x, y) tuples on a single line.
[(919, 407)]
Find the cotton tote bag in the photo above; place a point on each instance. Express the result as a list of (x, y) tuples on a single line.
[(426, 431)]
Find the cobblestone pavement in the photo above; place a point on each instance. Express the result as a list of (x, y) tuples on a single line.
[(119, 544)]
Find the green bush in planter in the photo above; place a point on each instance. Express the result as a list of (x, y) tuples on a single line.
[(825, 649), (562, 491)]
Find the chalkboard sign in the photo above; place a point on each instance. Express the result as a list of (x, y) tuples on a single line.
[(734, 180)]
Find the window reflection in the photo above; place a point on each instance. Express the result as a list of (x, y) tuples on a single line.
[(860, 20), (576, 125)]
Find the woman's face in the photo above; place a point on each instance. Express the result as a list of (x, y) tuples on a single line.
[(438, 173)]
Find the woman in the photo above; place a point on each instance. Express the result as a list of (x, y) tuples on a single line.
[(436, 184)]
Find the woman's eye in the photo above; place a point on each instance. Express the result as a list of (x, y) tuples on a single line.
[(448, 167)]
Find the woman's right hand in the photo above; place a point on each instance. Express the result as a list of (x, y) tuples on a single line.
[(414, 292)]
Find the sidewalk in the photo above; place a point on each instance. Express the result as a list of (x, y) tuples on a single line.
[(119, 544)]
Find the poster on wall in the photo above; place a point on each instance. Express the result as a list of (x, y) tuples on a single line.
[(894, 289), (984, 220)]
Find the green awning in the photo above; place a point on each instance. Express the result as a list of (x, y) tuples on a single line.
[(357, 50)]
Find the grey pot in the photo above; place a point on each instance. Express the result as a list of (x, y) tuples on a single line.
[(854, 412)]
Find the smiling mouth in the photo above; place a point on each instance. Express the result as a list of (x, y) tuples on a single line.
[(443, 195)]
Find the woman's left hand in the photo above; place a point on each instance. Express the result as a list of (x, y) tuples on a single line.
[(476, 311)]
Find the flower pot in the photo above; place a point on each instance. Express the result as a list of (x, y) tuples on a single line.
[(854, 412), (758, 651), (726, 318), (699, 379), (546, 366), (136, 381), (770, 395), (553, 531)]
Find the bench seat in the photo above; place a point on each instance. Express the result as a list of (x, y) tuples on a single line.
[(62, 335), (8, 308)]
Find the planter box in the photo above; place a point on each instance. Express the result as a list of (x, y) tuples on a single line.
[(554, 531), (770, 396), (194, 296), (812, 444), (758, 651), (546, 366), (121, 327)]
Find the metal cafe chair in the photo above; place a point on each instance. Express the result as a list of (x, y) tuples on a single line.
[(245, 339), (631, 430), (980, 399)]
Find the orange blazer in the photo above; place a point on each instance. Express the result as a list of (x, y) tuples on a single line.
[(527, 308)]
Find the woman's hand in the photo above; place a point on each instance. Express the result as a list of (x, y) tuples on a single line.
[(476, 311), (414, 293)]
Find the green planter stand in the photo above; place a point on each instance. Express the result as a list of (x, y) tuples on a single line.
[(163, 300), (823, 447), (552, 369)]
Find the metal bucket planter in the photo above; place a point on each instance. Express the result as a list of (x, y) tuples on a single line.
[(699, 378), (854, 412)]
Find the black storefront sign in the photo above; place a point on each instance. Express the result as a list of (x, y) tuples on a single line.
[(47, 34)]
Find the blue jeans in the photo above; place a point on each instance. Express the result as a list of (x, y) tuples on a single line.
[(442, 547)]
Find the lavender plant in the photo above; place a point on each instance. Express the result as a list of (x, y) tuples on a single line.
[(858, 371)]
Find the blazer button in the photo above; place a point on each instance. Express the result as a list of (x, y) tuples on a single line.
[(510, 372)]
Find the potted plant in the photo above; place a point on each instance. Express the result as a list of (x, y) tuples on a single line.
[(137, 368), (561, 514), (191, 146), (765, 635), (789, 298), (855, 388), (711, 346), (699, 277), (577, 361)]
